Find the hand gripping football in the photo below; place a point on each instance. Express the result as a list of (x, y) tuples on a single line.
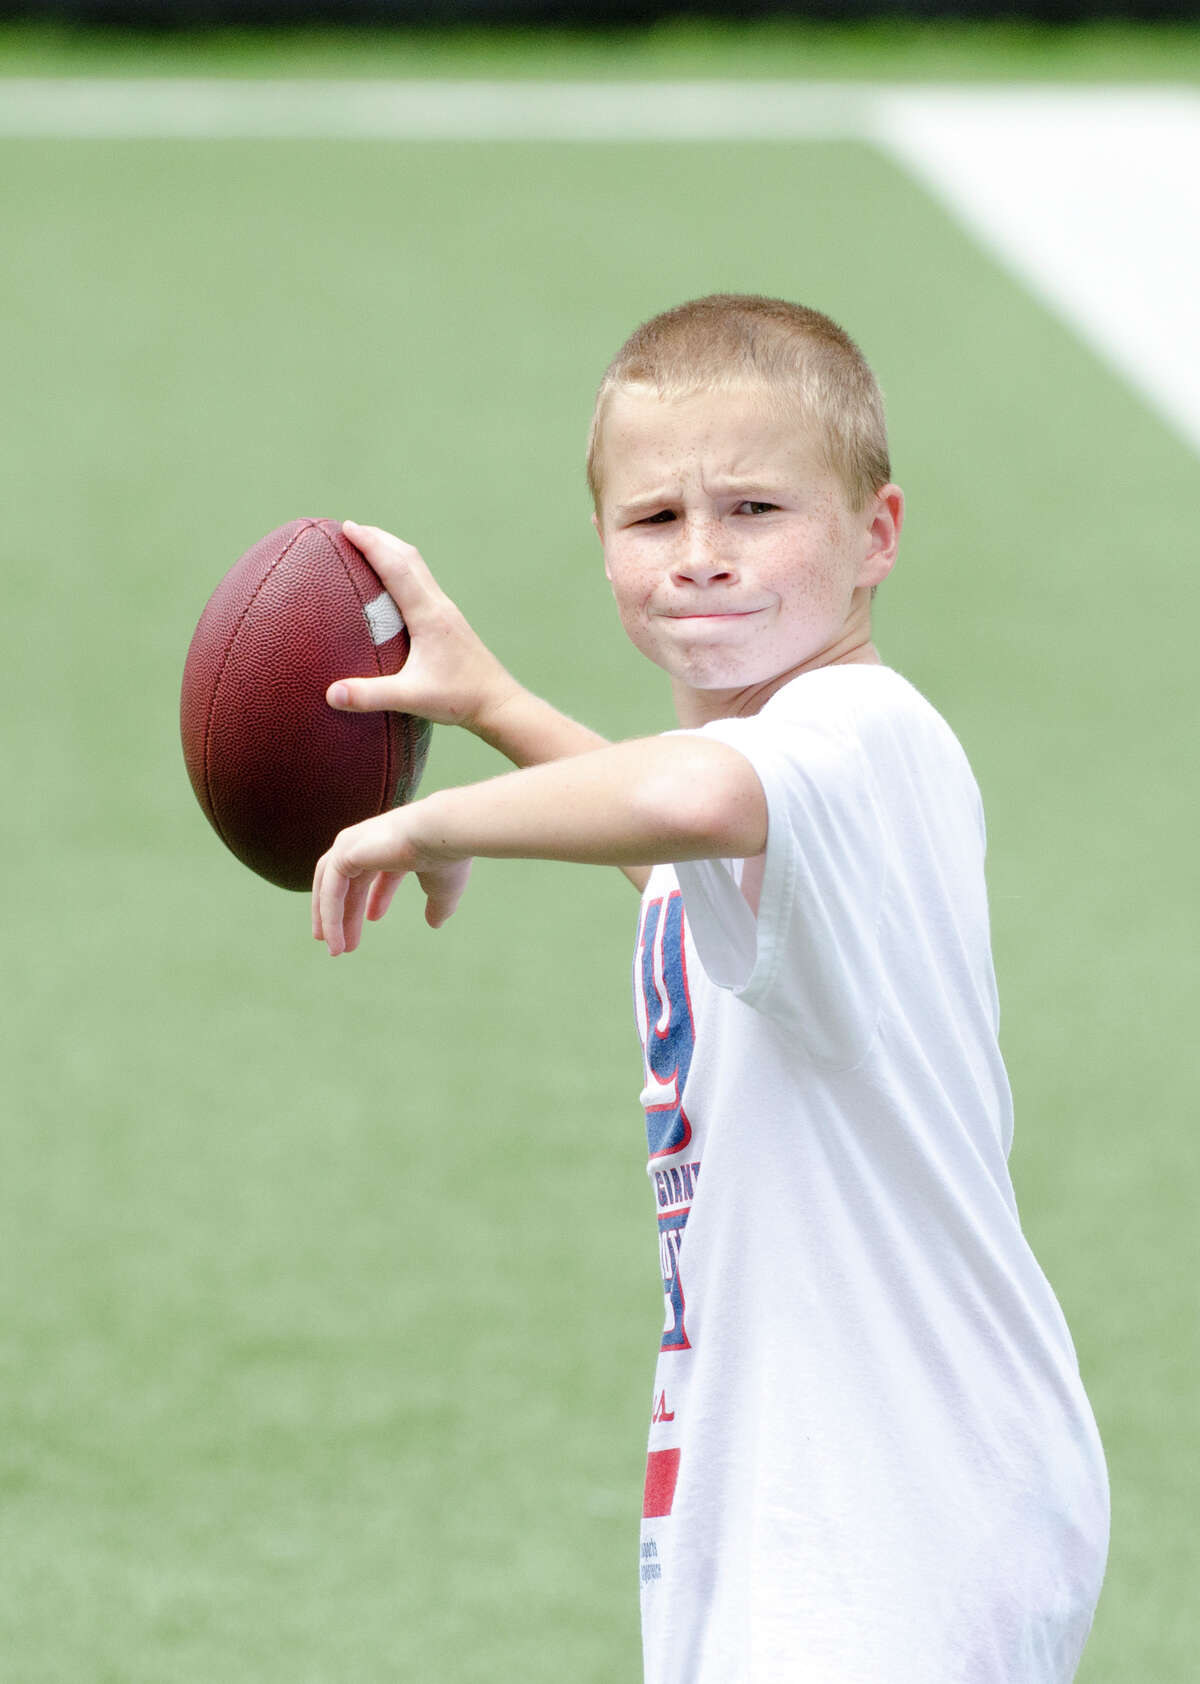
[(277, 771)]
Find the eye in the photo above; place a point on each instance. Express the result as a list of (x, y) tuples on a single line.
[(659, 519), (752, 508)]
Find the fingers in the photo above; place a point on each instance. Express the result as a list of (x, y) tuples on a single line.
[(330, 886), (353, 910), (443, 886), (383, 890), (400, 566), (450, 676), (341, 901), (339, 904), (343, 882), (318, 927), (412, 588), (358, 878)]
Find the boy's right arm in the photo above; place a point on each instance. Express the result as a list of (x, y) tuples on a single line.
[(451, 677)]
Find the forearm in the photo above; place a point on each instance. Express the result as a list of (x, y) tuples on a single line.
[(627, 804), (529, 731), (679, 797)]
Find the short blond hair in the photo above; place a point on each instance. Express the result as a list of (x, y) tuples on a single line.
[(729, 340)]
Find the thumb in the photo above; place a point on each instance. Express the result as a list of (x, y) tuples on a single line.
[(444, 886), (367, 695)]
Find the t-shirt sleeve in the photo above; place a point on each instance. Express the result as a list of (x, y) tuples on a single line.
[(810, 959)]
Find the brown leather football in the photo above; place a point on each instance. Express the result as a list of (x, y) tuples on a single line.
[(277, 771)]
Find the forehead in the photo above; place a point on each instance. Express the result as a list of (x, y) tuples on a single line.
[(737, 433)]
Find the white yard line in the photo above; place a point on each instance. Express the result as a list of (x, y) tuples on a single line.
[(1091, 196), (213, 108)]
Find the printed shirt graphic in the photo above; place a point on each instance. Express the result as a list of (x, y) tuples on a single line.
[(666, 1025), (668, 1039)]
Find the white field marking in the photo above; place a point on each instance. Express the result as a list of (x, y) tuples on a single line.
[(383, 618), (215, 108), (1091, 196)]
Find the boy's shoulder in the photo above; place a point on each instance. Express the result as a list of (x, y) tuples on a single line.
[(865, 699), (865, 715)]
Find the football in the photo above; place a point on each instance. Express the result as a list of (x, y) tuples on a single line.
[(277, 771)]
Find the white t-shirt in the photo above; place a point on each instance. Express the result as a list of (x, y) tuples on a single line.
[(871, 1458)]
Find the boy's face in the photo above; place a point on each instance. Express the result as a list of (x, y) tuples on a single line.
[(732, 551)]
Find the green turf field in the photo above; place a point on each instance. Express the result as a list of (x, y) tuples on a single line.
[(329, 1292)]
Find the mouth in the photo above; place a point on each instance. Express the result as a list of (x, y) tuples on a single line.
[(714, 616)]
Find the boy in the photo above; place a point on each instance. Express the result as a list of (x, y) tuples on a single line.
[(871, 1457)]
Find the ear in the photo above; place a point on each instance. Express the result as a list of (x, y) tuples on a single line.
[(885, 520), (597, 529)]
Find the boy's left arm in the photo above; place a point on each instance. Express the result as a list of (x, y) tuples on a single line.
[(676, 797)]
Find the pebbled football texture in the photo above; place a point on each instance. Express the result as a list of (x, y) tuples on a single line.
[(277, 771)]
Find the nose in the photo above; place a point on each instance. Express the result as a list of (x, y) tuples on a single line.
[(701, 557)]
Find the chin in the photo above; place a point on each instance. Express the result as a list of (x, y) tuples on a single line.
[(715, 675)]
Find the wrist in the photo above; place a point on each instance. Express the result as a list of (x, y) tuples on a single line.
[(513, 721), (429, 827)]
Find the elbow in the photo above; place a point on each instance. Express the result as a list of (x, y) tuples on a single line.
[(707, 801)]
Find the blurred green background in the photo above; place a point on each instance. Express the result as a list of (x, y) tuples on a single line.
[(329, 1293)]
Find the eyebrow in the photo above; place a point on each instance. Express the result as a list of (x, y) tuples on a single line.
[(746, 483)]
